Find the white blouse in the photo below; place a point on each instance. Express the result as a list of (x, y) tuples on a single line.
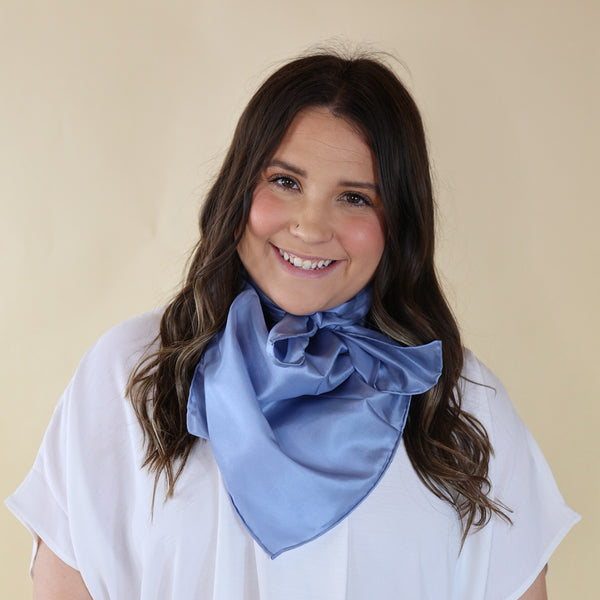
[(90, 501)]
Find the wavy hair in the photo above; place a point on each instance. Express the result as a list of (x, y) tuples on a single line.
[(448, 448)]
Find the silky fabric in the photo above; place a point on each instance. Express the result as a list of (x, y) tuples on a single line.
[(303, 418)]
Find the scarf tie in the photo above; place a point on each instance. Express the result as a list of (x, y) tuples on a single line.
[(303, 418)]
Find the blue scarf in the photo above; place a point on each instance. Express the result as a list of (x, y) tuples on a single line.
[(303, 418)]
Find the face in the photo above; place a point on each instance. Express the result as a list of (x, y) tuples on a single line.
[(315, 232)]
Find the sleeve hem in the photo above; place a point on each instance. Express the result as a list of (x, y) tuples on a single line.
[(42, 521), (34, 531), (572, 518)]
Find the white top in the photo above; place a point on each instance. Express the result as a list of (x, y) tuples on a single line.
[(90, 501)]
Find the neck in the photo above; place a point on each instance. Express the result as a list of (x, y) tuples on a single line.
[(353, 310)]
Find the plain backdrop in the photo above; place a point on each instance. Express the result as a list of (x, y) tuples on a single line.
[(115, 115)]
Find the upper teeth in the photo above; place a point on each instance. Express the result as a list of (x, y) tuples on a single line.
[(305, 263)]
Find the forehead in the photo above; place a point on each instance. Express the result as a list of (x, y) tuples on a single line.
[(318, 137)]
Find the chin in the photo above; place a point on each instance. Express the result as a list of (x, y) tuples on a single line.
[(296, 305), (301, 308)]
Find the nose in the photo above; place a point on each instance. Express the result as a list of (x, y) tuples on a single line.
[(311, 224)]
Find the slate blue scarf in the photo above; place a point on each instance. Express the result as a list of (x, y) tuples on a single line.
[(305, 418)]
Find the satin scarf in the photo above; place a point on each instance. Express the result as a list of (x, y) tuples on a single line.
[(304, 418)]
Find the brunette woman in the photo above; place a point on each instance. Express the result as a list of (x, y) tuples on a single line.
[(302, 420)]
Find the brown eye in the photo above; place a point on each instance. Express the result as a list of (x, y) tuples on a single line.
[(284, 181), (356, 199)]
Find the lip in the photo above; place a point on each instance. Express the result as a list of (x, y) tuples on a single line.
[(305, 273)]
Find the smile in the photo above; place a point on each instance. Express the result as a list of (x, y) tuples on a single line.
[(302, 263)]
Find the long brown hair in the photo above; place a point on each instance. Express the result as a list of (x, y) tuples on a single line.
[(449, 449)]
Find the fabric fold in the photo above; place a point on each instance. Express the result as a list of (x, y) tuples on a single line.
[(303, 418)]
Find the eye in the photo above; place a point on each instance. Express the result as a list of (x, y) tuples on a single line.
[(356, 199), (284, 181)]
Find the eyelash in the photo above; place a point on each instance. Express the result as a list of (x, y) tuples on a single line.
[(362, 200), (352, 198), (279, 179)]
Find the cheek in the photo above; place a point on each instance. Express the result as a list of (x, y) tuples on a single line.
[(267, 215), (365, 240), (265, 219)]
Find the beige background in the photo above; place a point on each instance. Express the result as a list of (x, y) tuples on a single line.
[(114, 116)]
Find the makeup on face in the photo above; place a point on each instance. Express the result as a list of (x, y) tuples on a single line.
[(315, 231)]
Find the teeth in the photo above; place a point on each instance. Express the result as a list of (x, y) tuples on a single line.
[(307, 265)]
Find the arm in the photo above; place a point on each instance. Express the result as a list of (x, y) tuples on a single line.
[(55, 580), (537, 590)]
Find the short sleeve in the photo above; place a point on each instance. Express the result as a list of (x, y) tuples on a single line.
[(90, 453), (523, 482), (41, 501)]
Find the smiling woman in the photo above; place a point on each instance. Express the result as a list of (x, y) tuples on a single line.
[(315, 233), (304, 403)]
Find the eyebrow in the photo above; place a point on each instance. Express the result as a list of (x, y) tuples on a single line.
[(289, 167), (276, 162)]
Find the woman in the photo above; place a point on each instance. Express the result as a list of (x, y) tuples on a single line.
[(355, 449)]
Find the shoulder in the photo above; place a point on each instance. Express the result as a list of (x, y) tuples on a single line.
[(517, 469), (95, 405), (130, 335), (96, 394), (476, 373), (484, 396), (125, 344)]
